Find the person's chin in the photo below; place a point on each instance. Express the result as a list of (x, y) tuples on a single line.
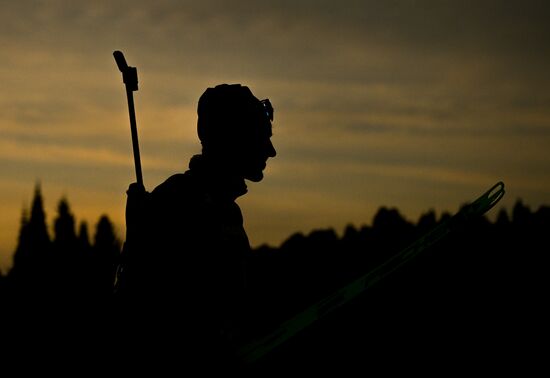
[(255, 176)]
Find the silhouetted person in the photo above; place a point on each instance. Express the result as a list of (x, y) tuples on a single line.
[(184, 269)]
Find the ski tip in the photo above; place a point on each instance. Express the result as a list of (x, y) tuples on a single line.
[(495, 194), (484, 203)]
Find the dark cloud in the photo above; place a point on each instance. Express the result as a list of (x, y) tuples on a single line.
[(330, 40)]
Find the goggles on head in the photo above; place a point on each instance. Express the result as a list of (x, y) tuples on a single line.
[(268, 108)]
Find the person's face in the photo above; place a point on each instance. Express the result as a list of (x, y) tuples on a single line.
[(255, 151)]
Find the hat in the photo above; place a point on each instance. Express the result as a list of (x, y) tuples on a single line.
[(228, 112)]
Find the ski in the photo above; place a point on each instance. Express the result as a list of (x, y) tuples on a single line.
[(255, 350)]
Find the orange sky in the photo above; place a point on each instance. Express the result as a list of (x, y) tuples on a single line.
[(412, 104)]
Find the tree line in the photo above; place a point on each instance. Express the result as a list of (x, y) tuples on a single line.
[(65, 266), (69, 266), (476, 298), (484, 282)]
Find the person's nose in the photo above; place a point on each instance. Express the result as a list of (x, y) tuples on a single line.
[(271, 149)]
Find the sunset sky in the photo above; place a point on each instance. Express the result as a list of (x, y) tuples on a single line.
[(417, 105)]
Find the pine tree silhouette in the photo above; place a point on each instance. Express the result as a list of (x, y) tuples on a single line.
[(38, 231), (67, 263), (106, 251), (30, 273), (84, 245), (64, 226)]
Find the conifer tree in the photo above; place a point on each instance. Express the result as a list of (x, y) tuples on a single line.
[(83, 238), (64, 227), (31, 269), (106, 250), (66, 262), (38, 231)]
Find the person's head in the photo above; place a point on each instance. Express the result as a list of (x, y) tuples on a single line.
[(234, 128)]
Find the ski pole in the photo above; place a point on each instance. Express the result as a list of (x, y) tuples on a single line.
[(130, 79)]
